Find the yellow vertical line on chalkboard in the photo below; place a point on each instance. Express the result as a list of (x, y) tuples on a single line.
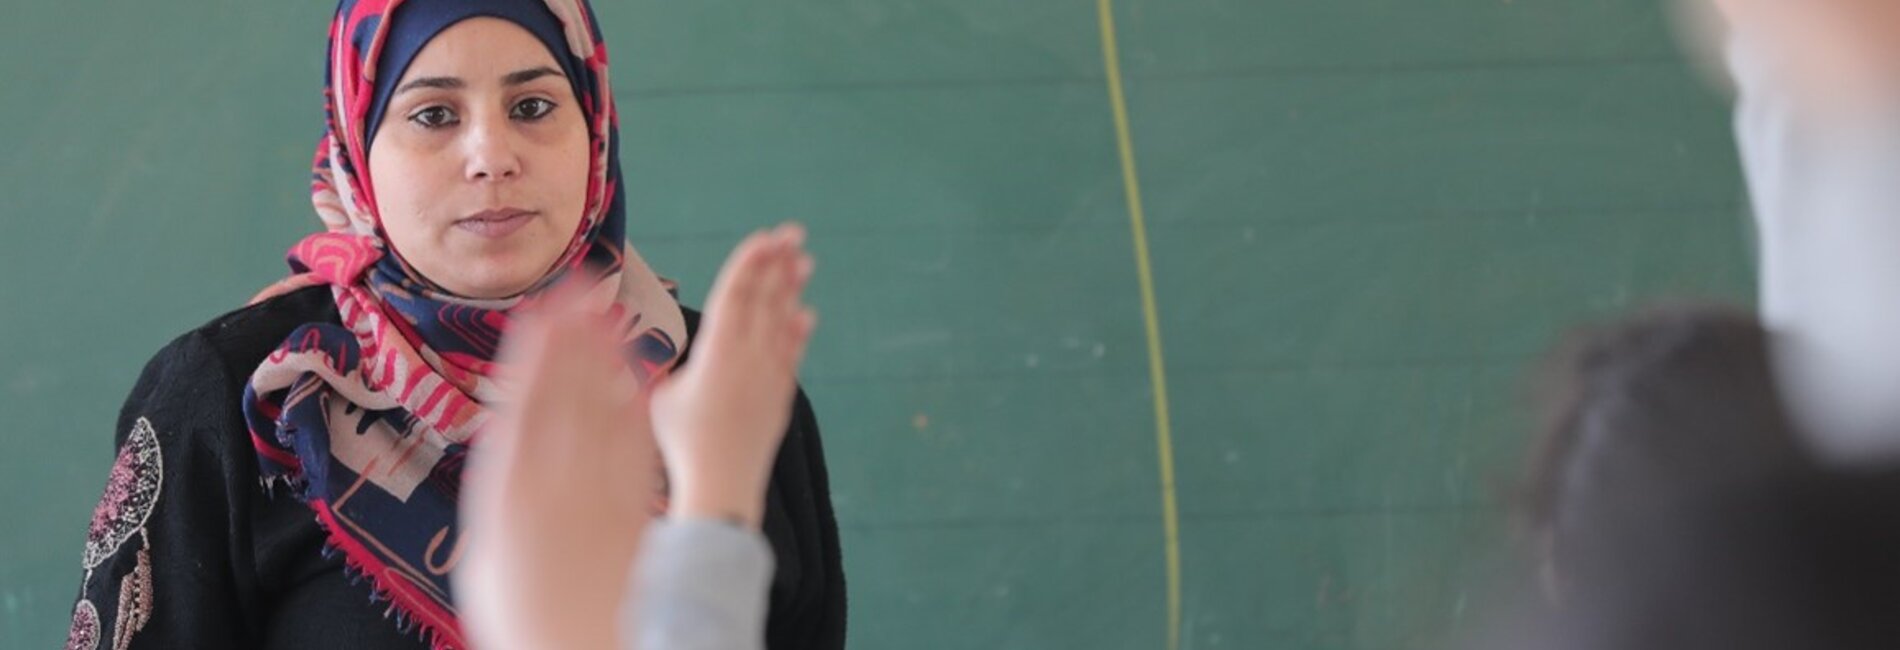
[(1157, 368)]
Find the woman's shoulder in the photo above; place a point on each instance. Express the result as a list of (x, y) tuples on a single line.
[(233, 344), (250, 333)]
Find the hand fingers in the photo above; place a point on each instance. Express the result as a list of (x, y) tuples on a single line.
[(782, 327), (795, 319), (577, 399), (768, 304), (779, 284), (530, 328), (781, 288), (802, 269), (798, 338), (496, 459), (798, 268), (568, 384), (738, 279)]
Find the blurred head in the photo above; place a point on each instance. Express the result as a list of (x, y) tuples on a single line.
[(1643, 415), (1803, 561), (1675, 509)]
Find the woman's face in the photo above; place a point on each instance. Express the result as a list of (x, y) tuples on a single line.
[(480, 163)]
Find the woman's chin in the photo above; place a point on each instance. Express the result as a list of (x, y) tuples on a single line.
[(492, 277), (491, 269)]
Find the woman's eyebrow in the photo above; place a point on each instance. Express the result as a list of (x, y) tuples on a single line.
[(524, 76), (445, 83), (515, 78)]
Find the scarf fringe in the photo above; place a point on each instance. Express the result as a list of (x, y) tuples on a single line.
[(273, 484), (379, 594)]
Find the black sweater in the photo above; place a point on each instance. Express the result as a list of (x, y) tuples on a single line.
[(187, 550)]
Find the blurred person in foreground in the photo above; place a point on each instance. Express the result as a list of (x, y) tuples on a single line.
[(561, 552)]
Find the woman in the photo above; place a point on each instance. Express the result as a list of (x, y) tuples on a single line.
[(288, 474)]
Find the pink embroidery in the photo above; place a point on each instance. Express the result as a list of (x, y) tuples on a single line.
[(84, 634), (131, 493), (135, 601)]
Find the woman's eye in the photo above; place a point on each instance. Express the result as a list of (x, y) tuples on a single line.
[(533, 108), (433, 117)]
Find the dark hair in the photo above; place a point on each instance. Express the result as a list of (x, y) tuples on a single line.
[(1805, 561), (1680, 510), (1663, 407)]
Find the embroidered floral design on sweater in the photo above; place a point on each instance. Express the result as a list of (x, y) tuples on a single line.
[(135, 600), (130, 495), (84, 634)]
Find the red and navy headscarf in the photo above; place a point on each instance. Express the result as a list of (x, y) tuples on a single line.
[(370, 420)]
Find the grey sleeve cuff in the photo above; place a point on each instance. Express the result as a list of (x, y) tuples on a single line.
[(700, 585)]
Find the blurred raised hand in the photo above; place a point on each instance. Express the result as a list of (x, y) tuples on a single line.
[(719, 419)]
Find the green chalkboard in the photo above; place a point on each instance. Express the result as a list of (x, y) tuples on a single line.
[(1366, 217)]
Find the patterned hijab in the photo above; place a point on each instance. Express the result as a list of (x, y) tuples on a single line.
[(370, 421)]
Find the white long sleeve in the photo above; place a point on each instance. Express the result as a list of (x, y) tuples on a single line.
[(1825, 188)]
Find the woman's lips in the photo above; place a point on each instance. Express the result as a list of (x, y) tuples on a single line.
[(495, 224)]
